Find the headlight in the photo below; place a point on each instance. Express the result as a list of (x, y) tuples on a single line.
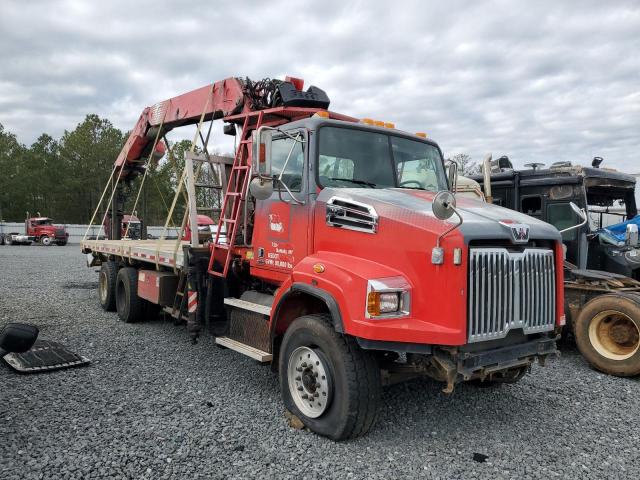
[(378, 303), (388, 298)]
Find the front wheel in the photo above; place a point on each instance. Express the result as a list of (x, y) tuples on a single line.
[(327, 381), (45, 240), (607, 333)]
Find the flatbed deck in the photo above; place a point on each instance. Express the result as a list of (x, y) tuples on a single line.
[(168, 253)]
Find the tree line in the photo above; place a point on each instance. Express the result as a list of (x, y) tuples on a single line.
[(64, 178)]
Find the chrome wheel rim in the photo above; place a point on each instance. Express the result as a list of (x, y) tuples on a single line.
[(46, 240), (614, 335), (309, 381)]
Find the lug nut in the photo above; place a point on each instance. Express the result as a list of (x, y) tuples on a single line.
[(300, 389), (305, 396)]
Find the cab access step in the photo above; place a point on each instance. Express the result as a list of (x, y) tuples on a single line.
[(249, 327)]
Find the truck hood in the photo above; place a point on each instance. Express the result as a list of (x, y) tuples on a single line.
[(480, 220)]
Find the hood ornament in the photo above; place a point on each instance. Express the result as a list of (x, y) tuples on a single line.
[(519, 231)]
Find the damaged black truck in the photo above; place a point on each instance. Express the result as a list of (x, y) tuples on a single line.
[(595, 209)]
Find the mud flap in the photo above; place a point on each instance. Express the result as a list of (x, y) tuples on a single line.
[(44, 356)]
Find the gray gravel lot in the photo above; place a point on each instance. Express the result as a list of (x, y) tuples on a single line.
[(151, 405)]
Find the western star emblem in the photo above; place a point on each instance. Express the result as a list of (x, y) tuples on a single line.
[(519, 231)]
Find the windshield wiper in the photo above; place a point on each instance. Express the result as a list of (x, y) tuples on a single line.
[(357, 182)]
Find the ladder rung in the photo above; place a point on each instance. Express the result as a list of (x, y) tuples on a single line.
[(241, 167), (228, 220), (222, 246)]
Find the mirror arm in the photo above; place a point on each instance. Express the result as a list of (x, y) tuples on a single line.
[(293, 198), (584, 222), (450, 229)]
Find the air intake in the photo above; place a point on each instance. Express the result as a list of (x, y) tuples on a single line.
[(351, 215)]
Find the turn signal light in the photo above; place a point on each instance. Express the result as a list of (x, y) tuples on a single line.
[(421, 135), (378, 123), (382, 302), (322, 113), (389, 125), (367, 121)]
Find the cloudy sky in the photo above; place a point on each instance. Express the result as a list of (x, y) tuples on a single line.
[(538, 81)]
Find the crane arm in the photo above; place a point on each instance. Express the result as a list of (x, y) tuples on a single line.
[(217, 100), (220, 99)]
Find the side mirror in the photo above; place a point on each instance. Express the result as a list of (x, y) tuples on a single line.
[(578, 211), (262, 152), (261, 187), (444, 204), (453, 177), (631, 235), (17, 338)]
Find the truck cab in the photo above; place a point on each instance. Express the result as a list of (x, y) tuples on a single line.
[(350, 219), (42, 230)]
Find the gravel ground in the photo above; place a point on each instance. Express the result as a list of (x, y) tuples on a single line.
[(153, 406)]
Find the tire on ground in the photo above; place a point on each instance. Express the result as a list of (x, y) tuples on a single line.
[(354, 390), (45, 240), (607, 333), (107, 286), (130, 307)]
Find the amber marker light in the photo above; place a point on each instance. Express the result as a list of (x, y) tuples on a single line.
[(318, 268)]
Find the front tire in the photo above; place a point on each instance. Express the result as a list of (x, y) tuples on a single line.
[(607, 333), (327, 381), (45, 240), (130, 306), (107, 286)]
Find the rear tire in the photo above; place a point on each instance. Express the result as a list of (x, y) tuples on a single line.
[(130, 306), (107, 286), (347, 379), (607, 333)]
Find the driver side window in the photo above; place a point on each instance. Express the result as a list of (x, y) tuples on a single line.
[(281, 149)]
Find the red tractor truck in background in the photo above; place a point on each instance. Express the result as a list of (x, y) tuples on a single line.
[(38, 229), (341, 255)]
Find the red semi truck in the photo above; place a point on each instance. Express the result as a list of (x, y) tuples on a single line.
[(341, 256), (38, 229)]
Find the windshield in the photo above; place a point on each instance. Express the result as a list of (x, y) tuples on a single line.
[(47, 221), (358, 158)]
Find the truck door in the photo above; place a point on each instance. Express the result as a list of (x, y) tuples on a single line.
[(281, 222)]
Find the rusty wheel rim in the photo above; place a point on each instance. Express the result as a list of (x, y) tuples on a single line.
[(614, 335)]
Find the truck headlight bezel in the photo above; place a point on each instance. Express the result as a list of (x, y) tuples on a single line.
[(388, 297)]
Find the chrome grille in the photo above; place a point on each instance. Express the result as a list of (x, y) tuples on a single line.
[(510, 290)]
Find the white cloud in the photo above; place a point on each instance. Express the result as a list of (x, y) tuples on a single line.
[(539, 81)]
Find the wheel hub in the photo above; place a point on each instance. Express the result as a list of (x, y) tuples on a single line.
[(614, 335), (309, 381)]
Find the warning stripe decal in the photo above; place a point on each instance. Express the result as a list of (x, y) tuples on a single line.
[(193, 301)]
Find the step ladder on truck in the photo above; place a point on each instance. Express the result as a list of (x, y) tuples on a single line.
[(341, 256)]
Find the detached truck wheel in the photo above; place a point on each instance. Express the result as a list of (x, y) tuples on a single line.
[(130, 306), (107, 286), (607, 333), (327, 381)]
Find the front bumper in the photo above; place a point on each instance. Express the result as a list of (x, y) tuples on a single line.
[(506, 357)]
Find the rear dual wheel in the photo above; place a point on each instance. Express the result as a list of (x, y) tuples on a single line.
[(607, 333), (327, 381), (130, 307), (107, 286)]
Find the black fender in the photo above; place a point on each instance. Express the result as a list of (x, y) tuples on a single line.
[(325, 297)]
